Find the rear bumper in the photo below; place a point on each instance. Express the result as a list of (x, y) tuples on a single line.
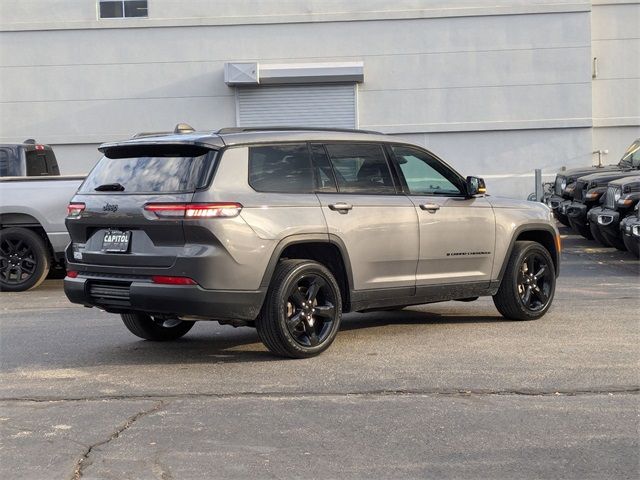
[(140, 294)]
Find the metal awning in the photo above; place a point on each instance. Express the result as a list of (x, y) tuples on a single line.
[(255, 73)]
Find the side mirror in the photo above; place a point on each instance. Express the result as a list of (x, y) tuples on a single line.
[(475, 186)]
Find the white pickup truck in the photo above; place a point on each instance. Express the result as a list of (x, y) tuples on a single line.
[(33, 204)]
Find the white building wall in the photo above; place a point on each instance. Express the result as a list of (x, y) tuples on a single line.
[(496, 88), (616, 88)]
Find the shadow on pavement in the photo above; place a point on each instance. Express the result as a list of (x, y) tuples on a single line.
[(215, 346)]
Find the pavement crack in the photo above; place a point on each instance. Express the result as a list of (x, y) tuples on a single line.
[(458, 392), (82, 462)]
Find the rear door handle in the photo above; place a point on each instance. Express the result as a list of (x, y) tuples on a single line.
[(340, 207), (430, 207)]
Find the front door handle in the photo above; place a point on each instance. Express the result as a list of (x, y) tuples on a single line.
[(430, 207), (340, 207)]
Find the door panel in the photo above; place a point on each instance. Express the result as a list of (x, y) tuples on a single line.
[(457, 234), (381, 236), (378, 226), (457, 239)]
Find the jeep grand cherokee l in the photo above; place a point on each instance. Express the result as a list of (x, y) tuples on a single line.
[(285, 229)]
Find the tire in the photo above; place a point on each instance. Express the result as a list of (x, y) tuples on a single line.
[(563, 219), (24, 259), (290, 324), (583, 230), (632, 245), (511, 300), (597, 236), (147, 327)]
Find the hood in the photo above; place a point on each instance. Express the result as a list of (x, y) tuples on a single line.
[(573, 173), (631, 181), (601, 179), (503, 202)]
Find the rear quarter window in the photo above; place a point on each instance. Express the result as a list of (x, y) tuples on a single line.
[(281, 169)]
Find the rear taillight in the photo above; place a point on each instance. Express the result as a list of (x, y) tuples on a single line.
[(72, 274), (166, 280), (194, 210), (75, 209)]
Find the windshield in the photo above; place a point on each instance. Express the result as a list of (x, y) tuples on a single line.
[(631, 157), (160, 172)]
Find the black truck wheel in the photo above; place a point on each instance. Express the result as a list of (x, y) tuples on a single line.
[(632, 244), (597, 236), (302, 311), (24, 259), (563, 219), (145, 326), (529, 283), (582, 229)]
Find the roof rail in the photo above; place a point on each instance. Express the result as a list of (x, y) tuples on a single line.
[(229, 130), (150, 134)]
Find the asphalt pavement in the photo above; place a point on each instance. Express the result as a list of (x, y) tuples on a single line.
[(445, 390)]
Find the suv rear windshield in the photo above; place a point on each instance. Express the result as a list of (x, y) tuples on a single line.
[(151, 170)]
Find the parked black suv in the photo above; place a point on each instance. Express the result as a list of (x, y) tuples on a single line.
[(621, 197), (588, 193), (630, 231), (564, 187)]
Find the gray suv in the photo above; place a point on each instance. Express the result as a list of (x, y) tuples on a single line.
[(285, 229)]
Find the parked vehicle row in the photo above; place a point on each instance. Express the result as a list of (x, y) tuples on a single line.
[(600, 206), (34, 196), (285, 229)]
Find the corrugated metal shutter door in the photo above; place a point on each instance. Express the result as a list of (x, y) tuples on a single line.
[(297, 106)]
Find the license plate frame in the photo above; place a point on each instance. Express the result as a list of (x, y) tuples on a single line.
[(116, 241)]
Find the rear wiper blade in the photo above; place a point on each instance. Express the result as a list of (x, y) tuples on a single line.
[(110, 187)]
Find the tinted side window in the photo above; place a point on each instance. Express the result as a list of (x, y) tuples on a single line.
[(10, 162), (281, 169), (325, 180), (424, 174), (361, 168)]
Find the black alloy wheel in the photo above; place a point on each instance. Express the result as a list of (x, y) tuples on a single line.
[(301, 314), (528, 284), (535, 282), (24, 260), (310, 310)]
